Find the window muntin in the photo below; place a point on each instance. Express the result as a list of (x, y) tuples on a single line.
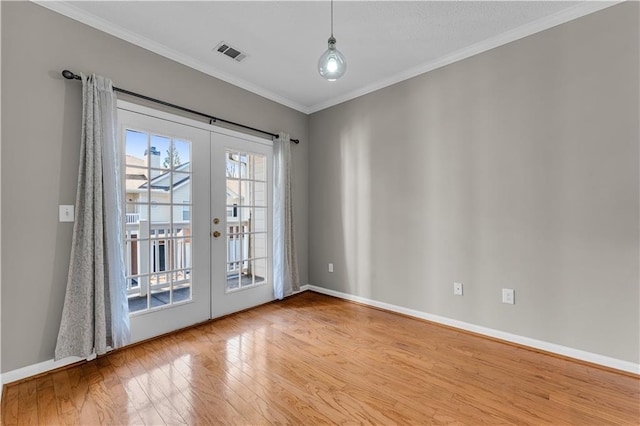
[(158, 202), (246, 230)]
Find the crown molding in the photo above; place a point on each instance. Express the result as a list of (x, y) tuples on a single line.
[(77, 14), (585, 8)]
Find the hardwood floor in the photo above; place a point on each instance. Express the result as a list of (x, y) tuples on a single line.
[(314, 359)]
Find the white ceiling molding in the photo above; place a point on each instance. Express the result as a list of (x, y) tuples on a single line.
[(523, 31), (532, 27), (80, 15)]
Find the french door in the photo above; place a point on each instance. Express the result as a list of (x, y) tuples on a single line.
[(242, 223), (197, 220)]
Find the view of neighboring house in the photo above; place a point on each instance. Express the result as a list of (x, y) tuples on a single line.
[(158, 223), (158, 229), (170, 190)]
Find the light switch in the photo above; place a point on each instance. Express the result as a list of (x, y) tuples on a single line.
[(66, 213)]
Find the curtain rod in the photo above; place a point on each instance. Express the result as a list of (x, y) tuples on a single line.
[(71, 76)]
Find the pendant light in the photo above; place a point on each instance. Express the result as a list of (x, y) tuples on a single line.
[(332, 64)]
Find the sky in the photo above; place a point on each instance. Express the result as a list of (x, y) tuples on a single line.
[(137, 144)]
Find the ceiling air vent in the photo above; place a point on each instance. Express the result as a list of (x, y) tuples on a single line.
[(231, 52)]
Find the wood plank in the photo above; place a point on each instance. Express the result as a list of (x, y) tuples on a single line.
[(62, 389), (314, 359), (10, 405), (124, 411), (136, 396), (28, 403), (46, 397)]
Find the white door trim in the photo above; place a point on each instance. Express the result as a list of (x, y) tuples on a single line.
[(129, 106)]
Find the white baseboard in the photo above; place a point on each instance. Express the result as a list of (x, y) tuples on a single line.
[(43, 367), (303, 288), (35, 369), (578, 354)]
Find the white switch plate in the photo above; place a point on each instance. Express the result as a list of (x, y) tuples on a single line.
[(66, 213), (331, 267), (457, 289), (508, 296)]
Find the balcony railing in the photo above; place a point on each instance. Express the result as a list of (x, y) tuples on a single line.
[(132, 217), (237, 246), (156, 255)]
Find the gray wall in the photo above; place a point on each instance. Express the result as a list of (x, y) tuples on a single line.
[(514, 168), (0, 193), (41, 132)]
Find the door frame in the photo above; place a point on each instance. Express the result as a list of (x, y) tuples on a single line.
[(214, 131)]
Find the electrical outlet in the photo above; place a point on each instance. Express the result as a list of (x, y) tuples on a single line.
[(457, 289), (508, 296), (331, 267)]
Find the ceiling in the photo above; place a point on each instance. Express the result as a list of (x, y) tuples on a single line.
[(384, 41)]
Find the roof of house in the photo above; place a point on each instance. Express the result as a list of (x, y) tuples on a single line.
[(162, 182)]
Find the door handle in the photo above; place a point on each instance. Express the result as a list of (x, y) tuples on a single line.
[(216, 234)]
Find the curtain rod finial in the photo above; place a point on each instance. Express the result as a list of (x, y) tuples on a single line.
[(69, 75)]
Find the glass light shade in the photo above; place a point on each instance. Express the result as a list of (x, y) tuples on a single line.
[(332, 64)]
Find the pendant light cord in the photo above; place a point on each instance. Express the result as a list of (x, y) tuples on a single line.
[(331, 18)]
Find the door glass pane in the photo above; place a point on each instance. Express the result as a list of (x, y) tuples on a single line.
[(260, 194), (136, 183), (160, 155), (259, 270), (259, 167), (233, 192), (233, 277), (181, 254), (181, 154), (181, 278), (246, 193), (182, 293), (136, 143), (160, 220), (259, 219), (243, 219), (157, 218), (159, 192), (160, 291), (132, 217), (235, 248), (181, 193), (232, 164), (243, 161), (138, 303), (182, 226), (258, 245), (246, 224)]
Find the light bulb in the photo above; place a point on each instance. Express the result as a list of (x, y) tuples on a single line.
[(332, 64)]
